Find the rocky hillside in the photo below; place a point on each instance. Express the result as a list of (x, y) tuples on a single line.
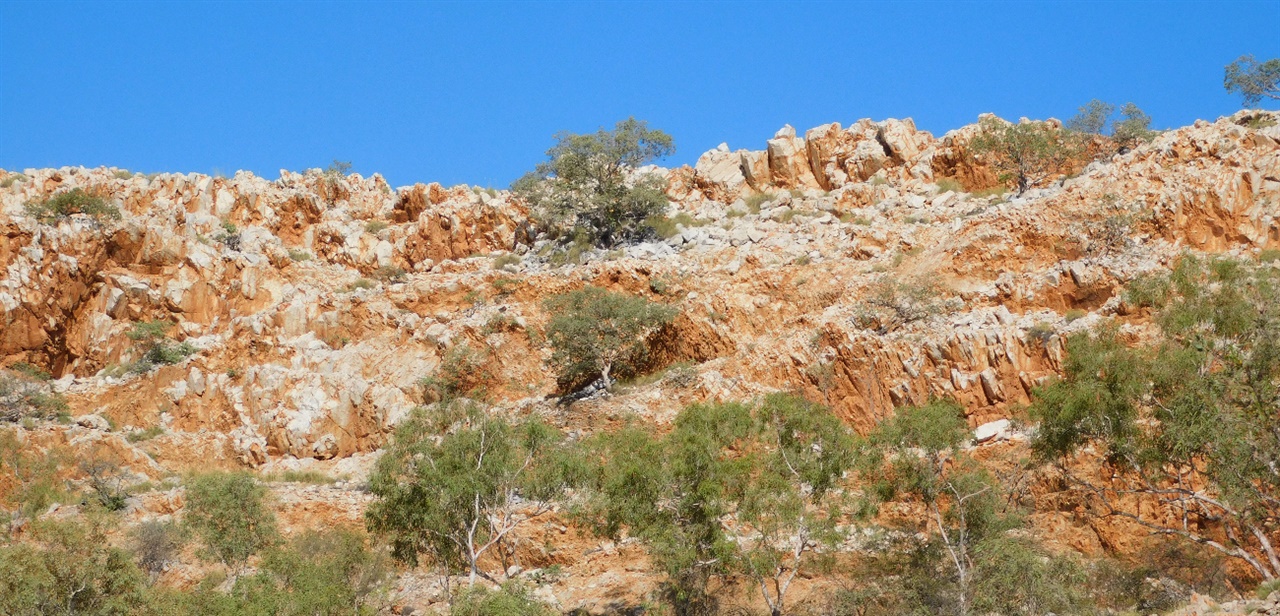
[(868, 267)]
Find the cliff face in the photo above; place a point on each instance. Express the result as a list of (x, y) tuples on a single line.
[(316, 303)]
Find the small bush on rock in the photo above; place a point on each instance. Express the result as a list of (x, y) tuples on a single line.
[(594, 332), (74, 201), (1026, 153), (588, 190), (23, 397)]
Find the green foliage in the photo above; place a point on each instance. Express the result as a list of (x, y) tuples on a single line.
[(299, 255), (916, 455), (505, 261), (330, 573), (363, 283), (12, 178), (1202, 397), (791, 503), (506, 286), (156, 543), (318, 573), (1253, 80), (755, 201), (891, 303), (158, 349), (949, 185), (511, 599), (296, 476), (1029, 153), (375, 226), (37, 373), (74, 201), (106, 478), (139, 436), (148, 331), (23, 396), (1093, 117), (672, 493), (776, 464), (593, 332), (229, 514), (68, 567), (451, 497), (463, 371), (337, 169), (1133, 128), (584, 190), (389, 273), (35, 474)]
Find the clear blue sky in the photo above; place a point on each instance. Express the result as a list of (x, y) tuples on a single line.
[(472, 92)]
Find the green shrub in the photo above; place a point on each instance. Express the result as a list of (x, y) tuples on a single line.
[(593, 332), (511, 599), (69, 567), (1194, 395), (662, 226), (891, 303), (299, 255), (158, 348), (74, 201), (363, 283), (1259, 122), (32, 371), (463, 371), (139, 436), (229, 514), (36, 475), (506, 286), (1148, 291), (11, 179), (296, 476), (1092, 118), (1253, 80), (389, 273), (375, 226), (155, 544), (1027, 154), (1270, 255), (1074, 314), (1040, 332), (583, 192), (23, 397), (949, 185), (452, 496), (755, 201), (337, 170), (506, 260), (1265, 589), (106, 478)]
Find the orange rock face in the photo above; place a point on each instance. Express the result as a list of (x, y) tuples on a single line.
[(315, 304)]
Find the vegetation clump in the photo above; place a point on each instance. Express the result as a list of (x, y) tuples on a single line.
[(229, 514), (1199, 401), (67, 203), (589, 190), (158, 348), (1026, 153), (25, 397), (594, 333), (1253, 80), (455, 482)]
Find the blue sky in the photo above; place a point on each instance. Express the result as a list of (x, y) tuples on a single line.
[(473, 92)]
